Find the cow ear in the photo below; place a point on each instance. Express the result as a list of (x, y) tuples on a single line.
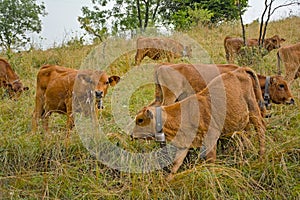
[(149, 114), (113, 80), (272, 80)]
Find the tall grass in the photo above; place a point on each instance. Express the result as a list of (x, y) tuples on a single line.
[(45, 166)]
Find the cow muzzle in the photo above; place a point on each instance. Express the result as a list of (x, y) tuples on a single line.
[(99, 96), (291, 102)]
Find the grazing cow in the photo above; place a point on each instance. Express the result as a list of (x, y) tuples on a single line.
[(158, 48), (58, 86), (10, 80), (290, 56), (226, 105), (233, 45), (174, 82)]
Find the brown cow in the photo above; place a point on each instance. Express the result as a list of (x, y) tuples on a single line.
[(10, 80), (233, 45), (174, 82), (226, 105), (290, 56), (58, 86), (158, 48)]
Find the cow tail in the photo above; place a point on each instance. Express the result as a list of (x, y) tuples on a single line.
[(257, 90), (278, 63)]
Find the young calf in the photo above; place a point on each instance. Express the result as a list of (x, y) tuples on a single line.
[(226, 105), (159, 48), (233, 45), (59, 88), (192, 78)]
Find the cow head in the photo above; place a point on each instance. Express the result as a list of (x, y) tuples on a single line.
[(279, 91), (104, 82), (14, 88), (91, 86), (273, 42), (144, 124)]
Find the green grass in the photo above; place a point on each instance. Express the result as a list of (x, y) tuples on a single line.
[(54, 166)]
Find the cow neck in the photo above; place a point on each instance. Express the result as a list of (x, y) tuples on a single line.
[(267, 92), (12, 77), (159, 135)]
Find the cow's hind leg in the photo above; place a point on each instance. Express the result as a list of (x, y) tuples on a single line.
[(38, 112), (45, 121), (291, 73), (260, 128)]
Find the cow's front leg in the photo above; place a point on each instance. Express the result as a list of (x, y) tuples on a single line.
[(45, 122), (211, 155), (139, 56), (179, 157)]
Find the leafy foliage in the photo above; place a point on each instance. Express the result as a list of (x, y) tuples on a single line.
[(139, 14), (187, 18), (219, 11), (18, 17), (124, 15)]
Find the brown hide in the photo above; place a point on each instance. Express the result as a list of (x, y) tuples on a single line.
[(290, 56), (55, 91), (233, 45), (226, 105), (159, 48), (10, 80), (174, 82)]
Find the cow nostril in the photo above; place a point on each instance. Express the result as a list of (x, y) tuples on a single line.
[(292, 101)]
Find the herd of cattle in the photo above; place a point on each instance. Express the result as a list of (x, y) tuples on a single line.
[(194, 103)]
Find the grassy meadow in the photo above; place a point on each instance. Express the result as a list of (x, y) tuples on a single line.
[(45, 166)]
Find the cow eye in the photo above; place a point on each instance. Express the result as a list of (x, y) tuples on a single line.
[(107, 82), (139, 121), (281, 86)]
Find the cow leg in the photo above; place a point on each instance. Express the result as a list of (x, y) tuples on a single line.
[(260, 128), (179, 157), (38, 111), (168, 96), (227, 56), (45, 121), (211, 155), (158, 96), (231, 57), (70, 118), (291, 73), (139, 56)]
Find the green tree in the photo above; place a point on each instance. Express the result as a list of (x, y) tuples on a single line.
[(221, 10), (17, 19), (124, 15), (140, 14), (190, 17)]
